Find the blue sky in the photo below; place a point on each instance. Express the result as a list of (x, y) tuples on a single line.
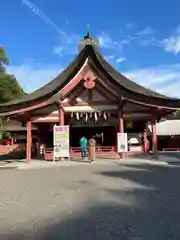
[(139, 38)]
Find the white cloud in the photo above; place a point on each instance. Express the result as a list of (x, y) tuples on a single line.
[(146, 32), (41, 15), (67, 45), (68, 42), (120, 59), (32, 77), (163, 79), (110, 57), (172, 44), (114, 59), (58, 51), (106, 41), (143, 37)]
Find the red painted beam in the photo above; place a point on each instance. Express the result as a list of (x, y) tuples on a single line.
[(46, 120), (90, 103), (29, 108), (69, 87)]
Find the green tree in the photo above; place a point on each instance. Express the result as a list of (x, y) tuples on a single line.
[(9, 87), (4, 60)]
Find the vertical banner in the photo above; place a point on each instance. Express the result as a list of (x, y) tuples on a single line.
[(61, 141), (122, 142)]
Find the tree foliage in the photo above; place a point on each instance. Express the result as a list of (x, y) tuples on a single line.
[(9, 87), (4, 61)]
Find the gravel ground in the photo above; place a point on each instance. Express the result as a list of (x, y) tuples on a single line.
[(91, 201)]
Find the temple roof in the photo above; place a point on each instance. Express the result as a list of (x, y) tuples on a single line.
[(128, 89)]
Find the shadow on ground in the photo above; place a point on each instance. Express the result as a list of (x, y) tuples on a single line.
[(171, 154), (148, 208), (5, 159)]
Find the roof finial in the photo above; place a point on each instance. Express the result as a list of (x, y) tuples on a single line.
[(88, 31)]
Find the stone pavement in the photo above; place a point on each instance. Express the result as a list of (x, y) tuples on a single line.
[(107, 200), (163, 159)]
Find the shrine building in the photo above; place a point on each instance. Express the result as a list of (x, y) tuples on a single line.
[(93, 99)]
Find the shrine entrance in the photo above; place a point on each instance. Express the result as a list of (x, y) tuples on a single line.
[(102, 126), (104, 136)]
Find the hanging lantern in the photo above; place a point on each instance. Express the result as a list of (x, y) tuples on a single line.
[(77, 116), (95, 116), (86, 117)]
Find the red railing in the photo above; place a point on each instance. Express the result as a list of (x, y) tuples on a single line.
[(171, 149), (48, 154), (76, 151), (105, 150), (100, 151)]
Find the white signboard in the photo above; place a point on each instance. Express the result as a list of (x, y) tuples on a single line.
[(61, 141), (122, 142)]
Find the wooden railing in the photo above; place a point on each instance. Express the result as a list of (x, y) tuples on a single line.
[(102, 150), (171, 149), (76, 151)]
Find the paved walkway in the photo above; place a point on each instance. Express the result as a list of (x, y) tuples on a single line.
[(106, 200), (22, 164)]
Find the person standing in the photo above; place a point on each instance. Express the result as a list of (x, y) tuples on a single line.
[(92, 149), (83, 144)]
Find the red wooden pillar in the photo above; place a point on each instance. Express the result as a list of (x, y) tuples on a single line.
[(61, 120), (61, 115), (146, 142), (121, 122), (120, 126), (38, 142), (154, 137), (28, 141)]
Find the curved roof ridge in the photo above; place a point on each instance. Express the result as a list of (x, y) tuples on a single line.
[(54, 83), (123, 81)]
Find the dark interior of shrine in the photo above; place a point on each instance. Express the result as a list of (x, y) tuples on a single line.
[(104, 135), (46, 134)]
